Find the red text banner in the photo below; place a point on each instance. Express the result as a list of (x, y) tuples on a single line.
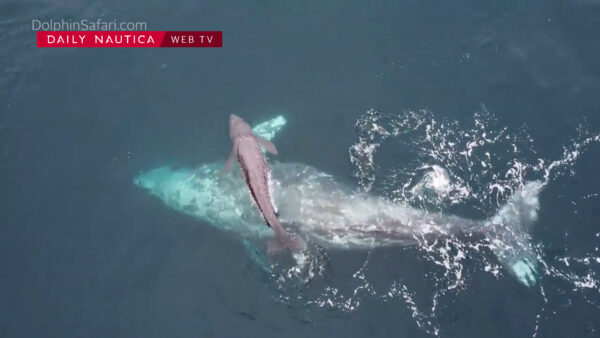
[(129, 39)]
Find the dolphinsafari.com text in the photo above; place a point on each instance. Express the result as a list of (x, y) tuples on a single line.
[(87, 25)]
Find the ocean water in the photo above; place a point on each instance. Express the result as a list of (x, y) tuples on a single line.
[(445, 107)]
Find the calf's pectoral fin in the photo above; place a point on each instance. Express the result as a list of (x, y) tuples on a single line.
[(228, 163), (267, 145)]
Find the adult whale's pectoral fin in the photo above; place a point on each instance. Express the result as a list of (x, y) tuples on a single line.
[(267, 145), (228, 163), (270, 128)]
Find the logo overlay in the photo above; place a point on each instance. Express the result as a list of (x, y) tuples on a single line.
[(129, 39)]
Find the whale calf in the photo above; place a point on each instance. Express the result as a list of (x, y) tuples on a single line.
[(331, 214), (256, 172)]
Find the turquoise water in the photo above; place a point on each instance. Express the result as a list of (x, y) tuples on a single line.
[(387, 98)]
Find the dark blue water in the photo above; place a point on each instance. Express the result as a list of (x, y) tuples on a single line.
[(85, 253)]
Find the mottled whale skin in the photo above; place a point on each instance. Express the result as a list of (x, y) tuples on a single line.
[(256, 172), (332, 215)]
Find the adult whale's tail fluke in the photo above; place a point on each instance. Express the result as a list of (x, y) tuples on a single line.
[(510, 236)]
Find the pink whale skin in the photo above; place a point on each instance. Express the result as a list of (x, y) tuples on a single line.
[(247, 150)]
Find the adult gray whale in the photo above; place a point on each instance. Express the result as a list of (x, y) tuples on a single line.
[(332, 215)]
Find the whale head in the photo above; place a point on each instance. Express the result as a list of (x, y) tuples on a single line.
[(238, 127), (220, 201)]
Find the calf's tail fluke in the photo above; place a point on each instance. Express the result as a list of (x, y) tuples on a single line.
[(286, 242), (509, 233)]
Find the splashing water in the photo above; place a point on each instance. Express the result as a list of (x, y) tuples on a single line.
[(439, 207), (441, 165)]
